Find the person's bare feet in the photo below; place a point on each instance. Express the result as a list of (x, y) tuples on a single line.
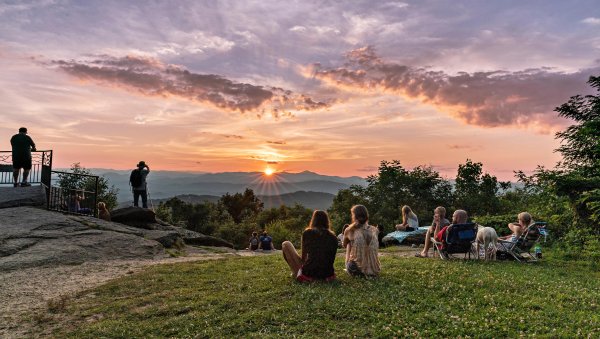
[(421, 255)]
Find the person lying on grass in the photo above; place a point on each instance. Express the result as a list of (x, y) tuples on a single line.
[(319, 246), (439, 221), (362, 245)]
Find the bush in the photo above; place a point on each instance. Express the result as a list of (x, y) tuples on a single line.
[(498, 222), (580, 244), (280, 233), (237, 234)]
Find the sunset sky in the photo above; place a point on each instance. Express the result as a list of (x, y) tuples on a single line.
[(332, 87)]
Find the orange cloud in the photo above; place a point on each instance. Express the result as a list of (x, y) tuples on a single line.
[(151, 77), (482, 98)]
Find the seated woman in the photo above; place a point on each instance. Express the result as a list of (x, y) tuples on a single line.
[(362, 245), (319, 246), (410, 222), (518, 228)]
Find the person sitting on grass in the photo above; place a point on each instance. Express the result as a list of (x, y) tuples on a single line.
[(410, 222), (439, 221), (319, 246), (341, 235), (266, 242), (254, 242), (518, 228), (362, 245)]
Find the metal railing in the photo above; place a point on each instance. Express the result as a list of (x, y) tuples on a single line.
[(41, 166), (73, 193)]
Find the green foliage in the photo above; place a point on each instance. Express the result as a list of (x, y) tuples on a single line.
[(236, 233), (254, 297), (106, 193), (196, 217), (339, 212), (285, 223), (242, 205), (475, 191), (580, 244), (498, 222), (581, 142), (394, 186)]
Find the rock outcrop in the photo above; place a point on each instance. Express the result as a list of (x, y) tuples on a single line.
[(22, 196), (31, 237), (146, 219)]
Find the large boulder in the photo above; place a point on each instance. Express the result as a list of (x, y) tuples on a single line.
[(22, 196), (31, 237), (134, 216)]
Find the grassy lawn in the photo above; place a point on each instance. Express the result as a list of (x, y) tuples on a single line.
[(255, 297)]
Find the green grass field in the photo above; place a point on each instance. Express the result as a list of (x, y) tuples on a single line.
[(255, 297)]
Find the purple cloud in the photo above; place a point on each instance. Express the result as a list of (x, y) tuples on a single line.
[(488, 99), (151, 77)]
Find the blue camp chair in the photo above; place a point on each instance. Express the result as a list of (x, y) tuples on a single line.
[(459, 239)]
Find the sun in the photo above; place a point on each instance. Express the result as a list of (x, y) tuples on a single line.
[(269, 171)]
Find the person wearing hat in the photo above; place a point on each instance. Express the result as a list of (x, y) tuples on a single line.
[(139, 185), (22, 145)]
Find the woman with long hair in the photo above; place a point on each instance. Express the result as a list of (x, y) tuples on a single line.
[(319, 246), (362, 245), (410, 222)]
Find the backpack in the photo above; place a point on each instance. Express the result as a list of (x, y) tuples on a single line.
[(135, 178)]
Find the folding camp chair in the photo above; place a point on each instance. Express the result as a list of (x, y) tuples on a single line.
[(520, 249), (459, 239)]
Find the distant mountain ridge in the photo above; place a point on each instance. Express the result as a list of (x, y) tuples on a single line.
[(166, 184), (313, 200)]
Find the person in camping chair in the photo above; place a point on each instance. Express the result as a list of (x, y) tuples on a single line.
[(459, 217)]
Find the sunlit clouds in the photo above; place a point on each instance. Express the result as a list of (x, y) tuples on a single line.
[(487, 99), (151, 77), (330, 87)]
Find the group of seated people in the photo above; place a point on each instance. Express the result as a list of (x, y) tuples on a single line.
[(319, 243)]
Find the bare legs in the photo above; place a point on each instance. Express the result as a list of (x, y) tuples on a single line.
[(16, 175), (425, 251), (291, 257)]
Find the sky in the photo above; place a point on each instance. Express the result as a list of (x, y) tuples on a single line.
[(333, 87)]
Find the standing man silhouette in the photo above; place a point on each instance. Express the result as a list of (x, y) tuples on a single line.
[(137, 179), (22, 145)]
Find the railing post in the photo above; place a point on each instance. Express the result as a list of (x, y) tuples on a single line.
[(96, 199)]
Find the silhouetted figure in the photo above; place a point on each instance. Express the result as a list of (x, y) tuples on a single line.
[(22, 145), (137, 179)]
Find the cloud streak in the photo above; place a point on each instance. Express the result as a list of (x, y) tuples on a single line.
[(151, 77), (489, 99)]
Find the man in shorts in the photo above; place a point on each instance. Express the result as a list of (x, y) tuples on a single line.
[(22, 145)]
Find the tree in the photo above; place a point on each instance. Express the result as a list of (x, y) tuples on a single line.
[(242, 205), (581, 141), (422, 189), (81, 181), (475, 191), (580, 175)]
